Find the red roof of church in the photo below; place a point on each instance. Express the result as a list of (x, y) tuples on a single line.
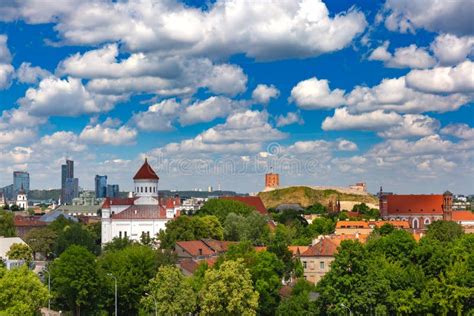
[(141, 212), (146, 172), (463, 216), (415, 204), (117, 201), (253, 201)]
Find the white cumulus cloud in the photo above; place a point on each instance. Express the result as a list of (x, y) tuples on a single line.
[(315, 93)]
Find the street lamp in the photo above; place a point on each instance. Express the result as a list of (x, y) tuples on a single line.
[(45, 269), (350, 312), (115, 279), (156, 304)]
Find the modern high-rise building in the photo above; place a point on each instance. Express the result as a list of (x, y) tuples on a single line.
[(113, 191), (21, 179), (100, 186), (71, 190), (69, 184)]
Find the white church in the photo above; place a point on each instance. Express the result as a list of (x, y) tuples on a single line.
[(144, 213)]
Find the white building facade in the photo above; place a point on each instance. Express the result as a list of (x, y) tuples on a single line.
[(144, 213)]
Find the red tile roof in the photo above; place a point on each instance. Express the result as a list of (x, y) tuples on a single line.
[(218, 246), (463, 216), (28, 221), (146, 172), (396, 224), (253, 201), (191, 265), (324, 248), (352, 224), (415, 204), (297, 250), (117, 201), (141, 212), (193, 246)]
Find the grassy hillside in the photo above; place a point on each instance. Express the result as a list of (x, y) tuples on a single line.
[(307, 196)]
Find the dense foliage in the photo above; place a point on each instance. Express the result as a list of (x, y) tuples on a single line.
[(221, 208), (394, 275), (21, 292), (7, 224)]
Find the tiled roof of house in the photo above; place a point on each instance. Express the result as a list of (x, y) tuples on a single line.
[(396, 224), (463, 216), (108, 202), (28, 221), (146, 172), (415, 204), (141, 212), (352, 224), (191, 265), (324, 248), (253, 201), (297, 250), (218, 246), (195, 248)]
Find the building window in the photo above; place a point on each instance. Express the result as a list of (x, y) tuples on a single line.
[(120, 234), (415, 223), (125, 234), (141, 189), (427, 221), (321, 265), (154, 189), (304, 265)]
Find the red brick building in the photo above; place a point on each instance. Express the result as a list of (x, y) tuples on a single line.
[(272, 180), (419, 210)]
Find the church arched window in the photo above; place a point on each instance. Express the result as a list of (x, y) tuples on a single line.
[(415, 223)]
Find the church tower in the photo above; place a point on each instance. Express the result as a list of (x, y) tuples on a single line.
[(447, 206), (22, 199), (146, 185)]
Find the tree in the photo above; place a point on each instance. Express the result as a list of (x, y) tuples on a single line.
[(20, 252), (298, 303), (75, 234), (317, 208), (190, 228), (117, 243), (228, 291), (253, 228), (7, 224), (133, 266), (172, 292), (21, 292), (74, 280), (266, 271), (41, 240), (221, 208), (444, 231)]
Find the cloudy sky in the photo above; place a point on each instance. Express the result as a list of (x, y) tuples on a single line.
[(218, 92)]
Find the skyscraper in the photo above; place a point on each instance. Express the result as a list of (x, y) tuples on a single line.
[(113, 191), (21, 179), (71, 190), (100, 186), (69, 184)]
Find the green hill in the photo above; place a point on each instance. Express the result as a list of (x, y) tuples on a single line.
[(306, 196)]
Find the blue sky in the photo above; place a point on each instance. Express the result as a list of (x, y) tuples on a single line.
[(218, 93)]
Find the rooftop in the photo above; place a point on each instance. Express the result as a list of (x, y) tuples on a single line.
[(146, 172), (253, 201)]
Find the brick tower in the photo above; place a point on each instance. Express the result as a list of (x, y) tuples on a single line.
[(272, 180)]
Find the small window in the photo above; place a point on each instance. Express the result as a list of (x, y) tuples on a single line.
[(146, 189), (120, 234), (321, 265), (125, 234), (305, 265), (200, 251)]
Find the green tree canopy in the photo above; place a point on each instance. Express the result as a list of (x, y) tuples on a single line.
[(75, 234), (173, 293), (228, 291), (253, 228), (21, 292), (221, 208), (117, 243), (190, 228), (75, 281), (41, 240), (7, 224), (444, 231), (20, 252), (133, 266)]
